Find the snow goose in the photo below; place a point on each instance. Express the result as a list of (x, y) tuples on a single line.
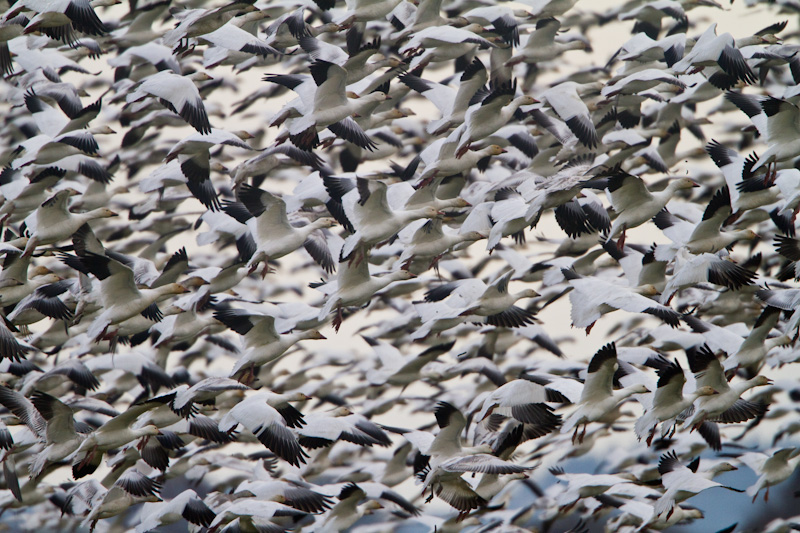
[(263, 343), (447, 461), (771, 469), (292, 494), (747, 351), (430, 242), (745, 192), (634, 203), (235, 37), (565, 99), (783, 126), (50, 420), (440, 160), (354, 61), (542, 46), (54, 222), (598, 399), (648, 16), (274, 235), (120, 296), (725, 407), (683, 482), (328, 107), (269, 426), (501, 18), (722, 51), (199, 22), (591, 297), (355, 286), (195, 160), (202, 392), (493, 301), (493, 112), (187, 505), (690, 269), (667, 402), (56, 18), (115, 433), (178, 93), (643, 49), (323, 429), (367, 208), (706, 235), (249, 514), (96, 502), (524, 401), (452, 104), (397, 369), (443, 43), (581, 486)]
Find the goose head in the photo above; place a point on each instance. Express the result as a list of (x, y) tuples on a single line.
[(639, 388), (313, 335), (527, 293), (761, 381), (494, 149), (526, 100), (723, 467), (103, 213), (707, 390), (473, 236), (682, 183)]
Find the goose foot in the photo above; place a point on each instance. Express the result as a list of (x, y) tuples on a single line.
[(337, 320), (621, 241), (650, 438)]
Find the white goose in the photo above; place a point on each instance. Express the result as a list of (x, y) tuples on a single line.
[(275, 236), (179, 92), (726, 407), (120, 297), (598, 399), (262, 342), (667, 402), (772, 469), (54, 222)]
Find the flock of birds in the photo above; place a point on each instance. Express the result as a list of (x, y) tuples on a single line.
[(160, 296)]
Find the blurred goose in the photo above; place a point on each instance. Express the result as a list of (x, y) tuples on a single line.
[(187, 505), (683, 482), (772, 469), (178, 93)]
